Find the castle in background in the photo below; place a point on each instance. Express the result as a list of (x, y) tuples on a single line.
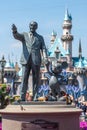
[(61, 48)]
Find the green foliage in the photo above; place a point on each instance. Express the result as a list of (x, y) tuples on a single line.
[(5, 98), (4, 95)]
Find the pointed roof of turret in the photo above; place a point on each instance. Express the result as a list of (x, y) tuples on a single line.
[(53, 33), (67, 15), (57, 43), (80, 64), (7, 65), (80, 49), (70, 17)]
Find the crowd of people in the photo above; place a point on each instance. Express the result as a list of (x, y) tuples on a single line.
[(75, 88)]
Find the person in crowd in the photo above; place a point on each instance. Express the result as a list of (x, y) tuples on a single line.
[(84, 92), (76, 92), (80, 78), (69, 86), (44, 89)]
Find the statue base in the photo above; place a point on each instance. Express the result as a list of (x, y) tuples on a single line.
[(40, 116)]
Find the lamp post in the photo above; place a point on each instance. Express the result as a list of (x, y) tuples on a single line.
[(2, 63)]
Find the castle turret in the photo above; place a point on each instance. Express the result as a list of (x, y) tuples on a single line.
[(53, 36), (67, 37), (57, 53)]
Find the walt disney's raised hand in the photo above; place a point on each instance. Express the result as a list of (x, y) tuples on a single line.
[(14, 28)]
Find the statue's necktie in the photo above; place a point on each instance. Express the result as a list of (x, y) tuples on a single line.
[(31, 37)]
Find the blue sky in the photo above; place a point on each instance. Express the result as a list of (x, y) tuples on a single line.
[(49, 14)]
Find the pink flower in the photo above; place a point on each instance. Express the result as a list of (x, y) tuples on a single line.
[(83, 124)]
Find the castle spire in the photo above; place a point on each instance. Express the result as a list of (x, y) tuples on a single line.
[(80, 49), (67, 37), (68, 16), (53, 36)]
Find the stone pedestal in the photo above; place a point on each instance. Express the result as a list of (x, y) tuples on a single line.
[(40, 116)]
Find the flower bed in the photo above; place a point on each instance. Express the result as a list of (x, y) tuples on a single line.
[(83, 125), (0, 126), (4, 95)]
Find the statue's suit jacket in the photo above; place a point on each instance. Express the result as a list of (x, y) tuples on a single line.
[(32, 49)]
